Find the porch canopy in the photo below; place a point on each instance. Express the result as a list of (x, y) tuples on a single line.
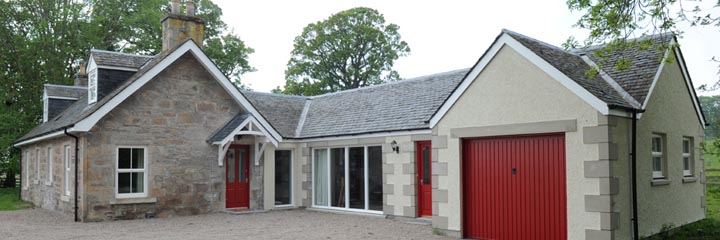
[(241, 124)]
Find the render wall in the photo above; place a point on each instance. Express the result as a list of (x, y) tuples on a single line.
[(171, 116), (678, 200), (512, 90), (39, 190)]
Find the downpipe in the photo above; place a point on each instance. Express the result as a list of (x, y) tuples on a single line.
[(77, 149)]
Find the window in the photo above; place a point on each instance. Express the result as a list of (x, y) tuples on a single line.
[(37, 165), (50, 165), (131, 172), (348, 178), (283, 177), (26, 178), (657, 156), (687, 157), (92, 86), (67, 170)]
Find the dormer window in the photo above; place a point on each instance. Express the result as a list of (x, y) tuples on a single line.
[(92, 85)]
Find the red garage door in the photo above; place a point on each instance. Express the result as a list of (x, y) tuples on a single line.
[(514, 187)]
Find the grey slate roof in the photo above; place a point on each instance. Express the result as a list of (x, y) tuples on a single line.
[(402, 105), (64, 91), (396, 106), (645, 63), (80, 109), (117, 59), (224, 131), (283, 112), (574, 67)]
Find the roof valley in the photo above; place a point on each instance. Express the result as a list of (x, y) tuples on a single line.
[(303, 115)]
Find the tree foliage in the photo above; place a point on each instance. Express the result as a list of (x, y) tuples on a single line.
[(41, 41), (711, 109), (615, 22), (353, 48)]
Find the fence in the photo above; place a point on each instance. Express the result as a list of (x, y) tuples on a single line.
[(712, 175)]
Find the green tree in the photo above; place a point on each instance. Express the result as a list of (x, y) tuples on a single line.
[(351, 49), (711, 109), (41, 42), (133, 26), (614, 22)]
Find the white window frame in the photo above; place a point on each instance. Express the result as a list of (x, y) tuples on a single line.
[(347, 180), (92, 85), (658, 174), (144, 170), (688, 156), (26, 178), (292, 178), (49, 159), (37, 165), (67, 170)]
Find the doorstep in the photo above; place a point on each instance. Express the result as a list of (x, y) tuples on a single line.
[(241, 211)]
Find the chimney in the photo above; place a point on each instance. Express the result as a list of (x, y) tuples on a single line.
[(81, 79), (177, 27)]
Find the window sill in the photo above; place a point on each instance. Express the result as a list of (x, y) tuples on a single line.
[(689, 179), (660, 182), (48, 183), (36, 182), (65, 198), (119, 201)]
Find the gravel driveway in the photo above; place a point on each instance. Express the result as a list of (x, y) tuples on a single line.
[(291, 224)]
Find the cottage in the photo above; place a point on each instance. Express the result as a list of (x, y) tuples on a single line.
[(521, 144)]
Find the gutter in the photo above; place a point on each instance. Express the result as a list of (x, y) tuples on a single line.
[(76, 172)]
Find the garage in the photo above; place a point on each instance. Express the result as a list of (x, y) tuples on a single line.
[(514, 187)]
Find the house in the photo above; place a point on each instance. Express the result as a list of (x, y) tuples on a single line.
[(523, 143)]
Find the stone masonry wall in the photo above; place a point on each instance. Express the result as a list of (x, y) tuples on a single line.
[(38, 189), (171, 116)]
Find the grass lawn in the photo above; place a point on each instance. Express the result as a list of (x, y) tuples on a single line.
[(9, 200), (708, 228)]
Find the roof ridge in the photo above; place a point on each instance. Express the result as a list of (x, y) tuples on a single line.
[(640, 38), (274, 94), (504, 30), (64, 86), (303, 116), (122, 53), (614, 84), (407, 80)]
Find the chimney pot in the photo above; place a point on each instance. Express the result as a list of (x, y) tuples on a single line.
[(190, 8), (175, 7)]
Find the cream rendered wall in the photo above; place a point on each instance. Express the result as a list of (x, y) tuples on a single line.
[(269, 173), (669, 111), (513, 90)]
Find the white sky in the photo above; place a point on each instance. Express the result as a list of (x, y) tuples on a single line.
[(442, 35)]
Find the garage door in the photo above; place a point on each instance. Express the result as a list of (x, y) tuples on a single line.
[(514, 187)]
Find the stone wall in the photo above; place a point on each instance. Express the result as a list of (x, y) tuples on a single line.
[(171, 117), (38, 189)]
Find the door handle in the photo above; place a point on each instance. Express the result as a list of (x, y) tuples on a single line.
[(514, 171)]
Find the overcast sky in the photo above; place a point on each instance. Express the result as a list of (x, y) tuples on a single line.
[(442, 35)]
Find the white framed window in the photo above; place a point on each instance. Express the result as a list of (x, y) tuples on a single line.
[(348, 178), (50, 165), (687, 156), (92, 85), (66, 169), (131, 172), (658, 156), (37, 165), (26, 178)]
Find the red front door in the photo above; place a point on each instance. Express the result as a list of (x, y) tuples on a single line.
[(237, 180), (424, 178)]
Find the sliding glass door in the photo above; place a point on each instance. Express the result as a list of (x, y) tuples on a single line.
[(348, 178)]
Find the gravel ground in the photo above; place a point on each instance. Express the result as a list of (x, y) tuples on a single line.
[(291, 224)]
